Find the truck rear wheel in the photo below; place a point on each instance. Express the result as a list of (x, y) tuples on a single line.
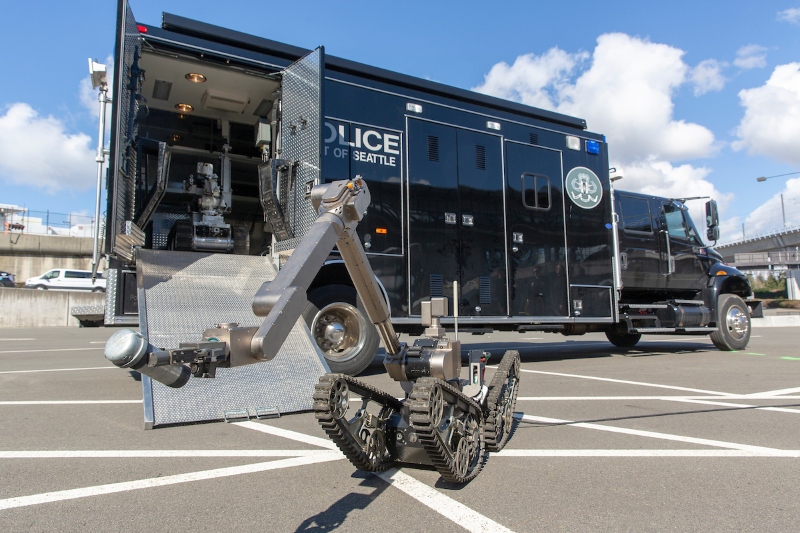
[(342, 331), (733, 324), (622, 339)]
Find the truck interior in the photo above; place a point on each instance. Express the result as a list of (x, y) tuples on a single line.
[(215, 123)]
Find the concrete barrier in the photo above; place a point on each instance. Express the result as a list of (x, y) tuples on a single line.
[(30, 308), (777, 321)]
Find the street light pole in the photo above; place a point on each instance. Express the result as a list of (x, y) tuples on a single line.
[(765, 178), (783, 210)]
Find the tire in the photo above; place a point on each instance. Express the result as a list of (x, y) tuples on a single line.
[(622, 339), (98, 289), (40, 288), (341, 328), (733, 324)]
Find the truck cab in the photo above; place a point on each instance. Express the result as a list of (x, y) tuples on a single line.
[(670, 280)]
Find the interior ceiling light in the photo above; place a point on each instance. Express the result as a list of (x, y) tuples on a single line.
[(184, 108), (195, 77)]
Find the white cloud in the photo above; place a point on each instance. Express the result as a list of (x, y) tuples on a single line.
[(37, 151), (791, 15), (751, 56), (771, 122), (532, 79), (624, 90), (707, 76)]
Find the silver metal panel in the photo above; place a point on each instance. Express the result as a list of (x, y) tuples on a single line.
[(183, 293), (126, 107), (162, 225), (301, 140), (112, 279), (88, 312)]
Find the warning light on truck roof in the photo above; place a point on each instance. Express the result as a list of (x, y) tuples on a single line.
[(380, 231)]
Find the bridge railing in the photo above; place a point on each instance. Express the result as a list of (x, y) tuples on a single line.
[(767, 258)]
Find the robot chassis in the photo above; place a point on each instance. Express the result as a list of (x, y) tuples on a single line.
[(444, 421)]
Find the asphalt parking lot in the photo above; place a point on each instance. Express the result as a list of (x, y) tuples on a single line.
[(671, 436)]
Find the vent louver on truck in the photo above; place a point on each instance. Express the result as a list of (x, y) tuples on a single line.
[(433, 148), (533, 138), (162, 89), (480, 157), (437, 285), (485, 290)]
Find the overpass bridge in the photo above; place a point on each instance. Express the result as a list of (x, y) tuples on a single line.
[(777, 250), (781, 246)]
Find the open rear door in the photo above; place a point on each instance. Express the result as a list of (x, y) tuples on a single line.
[(300, 142), (123, 164)]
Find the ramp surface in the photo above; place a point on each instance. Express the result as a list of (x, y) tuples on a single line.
[(183, 293)]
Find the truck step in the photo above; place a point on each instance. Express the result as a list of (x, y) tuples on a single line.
[(653, 330), (698, 330), (644, 306), (540, 327), (689, 302)]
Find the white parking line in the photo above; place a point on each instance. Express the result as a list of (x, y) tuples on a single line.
[(48, 497), (55, 350), (19, 339), (735, 405), (130, 454), (644, 453), (669, 398), (444, 505), (56, 370), (68, 402), (652, 434), (643, 384), (288, 434), (779, 392)]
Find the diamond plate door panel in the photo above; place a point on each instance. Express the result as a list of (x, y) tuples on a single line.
[(301, 141), (124, 127), (183, 293)]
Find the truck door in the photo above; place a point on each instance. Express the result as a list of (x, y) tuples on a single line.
[(642, 262), (536, 235), (456, 228), (681, 265), (123, 162), (300, 142)]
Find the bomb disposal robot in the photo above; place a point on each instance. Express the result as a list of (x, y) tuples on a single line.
[(444, 421)]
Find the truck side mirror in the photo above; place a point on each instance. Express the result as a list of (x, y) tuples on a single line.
[(713, 233), (712, 215)]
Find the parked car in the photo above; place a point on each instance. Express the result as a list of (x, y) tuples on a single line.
[(62, 279), (6, 279)]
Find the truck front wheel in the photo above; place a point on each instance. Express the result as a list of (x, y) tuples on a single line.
[(733, 324), (342, 331)]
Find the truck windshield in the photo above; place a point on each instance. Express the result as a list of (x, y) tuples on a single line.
[(680, 225)]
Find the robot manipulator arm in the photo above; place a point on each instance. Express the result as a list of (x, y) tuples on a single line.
[(341, 205)]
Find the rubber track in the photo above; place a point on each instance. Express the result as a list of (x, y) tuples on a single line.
[(429, 436), (338, 430), (495, 442)]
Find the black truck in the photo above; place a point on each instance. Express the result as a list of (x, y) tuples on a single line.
[(508, 211)]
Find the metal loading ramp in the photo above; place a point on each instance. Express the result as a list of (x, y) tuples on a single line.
[(183, 293)]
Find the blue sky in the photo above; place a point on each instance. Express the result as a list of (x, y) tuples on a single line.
[(694, 97)]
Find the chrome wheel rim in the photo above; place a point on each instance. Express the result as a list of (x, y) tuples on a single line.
[(339, 330), (736, 320)]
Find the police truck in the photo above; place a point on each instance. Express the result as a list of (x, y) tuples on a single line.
[(507, 211)]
